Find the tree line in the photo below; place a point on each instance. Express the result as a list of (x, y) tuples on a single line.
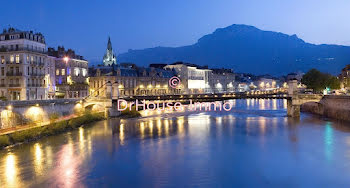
[(318, 81)]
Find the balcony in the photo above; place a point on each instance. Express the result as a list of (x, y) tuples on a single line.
[(22, 49), (14, 62), (14, 85), (35, 85), (36, 74), (2, 85), (14, 74)]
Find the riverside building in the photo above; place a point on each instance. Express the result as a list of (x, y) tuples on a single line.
[(23, 60), (71, 73), (127, 79)]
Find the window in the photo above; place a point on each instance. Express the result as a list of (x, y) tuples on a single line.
[(76, 71), (12, 58), (2, 71), (63, 72), (31, 59), (57, 72), (17, 58), (2, 59), (84, 72)]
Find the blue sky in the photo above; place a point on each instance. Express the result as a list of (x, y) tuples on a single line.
[(136, 24)]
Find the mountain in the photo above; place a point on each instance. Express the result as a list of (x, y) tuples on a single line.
[(249, 49)]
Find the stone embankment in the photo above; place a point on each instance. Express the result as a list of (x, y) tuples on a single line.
[(331, 106)]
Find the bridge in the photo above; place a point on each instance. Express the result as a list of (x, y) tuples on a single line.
[(294, 99)]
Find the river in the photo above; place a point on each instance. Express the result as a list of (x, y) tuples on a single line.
[(253, 145)]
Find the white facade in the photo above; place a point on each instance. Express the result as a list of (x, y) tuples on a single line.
[(193, 79), (22, 66)]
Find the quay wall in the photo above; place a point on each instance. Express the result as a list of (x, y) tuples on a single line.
[(13, 113), (331, 106)]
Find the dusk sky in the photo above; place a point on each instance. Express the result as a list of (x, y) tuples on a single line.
[(85, 25)]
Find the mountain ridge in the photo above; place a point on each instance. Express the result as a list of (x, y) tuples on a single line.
[(248, 49)]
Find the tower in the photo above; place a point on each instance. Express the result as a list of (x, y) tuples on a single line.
[(109, 58)]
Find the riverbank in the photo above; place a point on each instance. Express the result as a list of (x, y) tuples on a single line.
[(335, 107), (35, 133)]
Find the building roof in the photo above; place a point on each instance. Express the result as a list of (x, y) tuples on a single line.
[(117, 70)]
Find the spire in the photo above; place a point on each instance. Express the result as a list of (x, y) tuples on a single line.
[(109, 44), (109, 58)]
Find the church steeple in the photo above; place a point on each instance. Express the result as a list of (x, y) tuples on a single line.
[(109, 58), (109, 44)]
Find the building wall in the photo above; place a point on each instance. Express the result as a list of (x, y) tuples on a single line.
[(35, 110), (193, 79), (130, 86), (71, 78), (22, 67)]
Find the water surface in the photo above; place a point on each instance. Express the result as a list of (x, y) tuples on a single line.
[(253, 145)]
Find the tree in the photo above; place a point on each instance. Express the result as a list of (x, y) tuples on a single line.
[(333, 82), (318, 81)]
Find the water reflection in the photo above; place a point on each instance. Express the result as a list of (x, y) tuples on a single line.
[(186, 149), (38, 159), (328, 140), (10, 170), (121, 134)]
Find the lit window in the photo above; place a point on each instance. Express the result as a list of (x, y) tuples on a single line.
[(84, 72), (57, 72), (76, 71), (12, 58), (2, 59), (17, 58), (31, 59), (63, 72)]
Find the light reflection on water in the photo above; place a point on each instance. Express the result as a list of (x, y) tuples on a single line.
[(254, 144)]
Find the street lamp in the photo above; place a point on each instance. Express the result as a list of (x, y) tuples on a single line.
[(66, 59)]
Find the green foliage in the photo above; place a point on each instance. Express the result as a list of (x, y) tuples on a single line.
[(29, 134), (51, 129), (333, 82), (127, 113), (53, 117), (57, 127), (318, 81), (4, 141)]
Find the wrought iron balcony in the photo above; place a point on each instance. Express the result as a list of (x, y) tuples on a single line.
[(22, 49), (14, 74), (14, 85)]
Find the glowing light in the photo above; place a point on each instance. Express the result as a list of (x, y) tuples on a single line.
[(69, 80), (35, 113), (262, 84), (121, 134), (81, 139), (11, 170), (66, 59), (38, 159), (142, 130), (9, 107)]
